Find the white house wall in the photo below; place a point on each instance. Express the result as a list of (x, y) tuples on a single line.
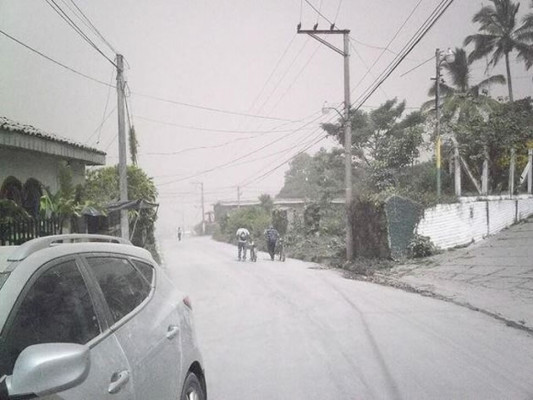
[(450, 225), (24, 165)]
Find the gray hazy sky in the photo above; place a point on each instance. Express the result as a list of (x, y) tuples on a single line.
[(242, 56)]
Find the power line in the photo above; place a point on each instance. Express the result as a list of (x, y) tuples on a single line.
[(337, 13), (389, 43), (418, 66), (197, 128), (306, 148), (296, 57), (99, 128), (170, 101), (295, 79), (54, 61), (77, 29), (231, 162), (95, 30), (424, 28), (175, 153), (269, 172), (272, 73), (366, 67), (105, 108), (318, 12), (206, 108)]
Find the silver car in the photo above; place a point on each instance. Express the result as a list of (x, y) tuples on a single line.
[(93, 317)]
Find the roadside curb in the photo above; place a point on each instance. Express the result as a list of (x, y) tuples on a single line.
[(385, 280)]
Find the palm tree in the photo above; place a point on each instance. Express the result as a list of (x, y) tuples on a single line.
[(460, 99), (524, 36), (499, 35)]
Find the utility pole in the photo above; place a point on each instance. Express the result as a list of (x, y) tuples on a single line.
[(346, 120), (122, 156), (238, 197)]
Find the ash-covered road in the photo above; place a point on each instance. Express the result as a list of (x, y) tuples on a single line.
[(272, 330)]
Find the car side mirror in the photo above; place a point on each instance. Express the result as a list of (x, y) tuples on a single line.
[(44, 369)]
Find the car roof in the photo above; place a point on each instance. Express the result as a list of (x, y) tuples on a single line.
[(5, 253), (42, 243), (50, 247)]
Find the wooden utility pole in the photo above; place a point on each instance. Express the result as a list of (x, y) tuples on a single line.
[(346, 120), (122, 156)]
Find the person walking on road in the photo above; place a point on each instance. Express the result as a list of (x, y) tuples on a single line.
[(179, 234), (242, 239), (271, 236)]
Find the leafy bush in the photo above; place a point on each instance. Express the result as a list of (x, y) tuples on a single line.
[(9, 211), (421, 246), (327, 249), (255, 219)]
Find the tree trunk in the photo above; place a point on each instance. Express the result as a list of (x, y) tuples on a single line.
[(509, 82)]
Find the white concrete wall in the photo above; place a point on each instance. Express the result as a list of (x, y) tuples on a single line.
[(472, 219)]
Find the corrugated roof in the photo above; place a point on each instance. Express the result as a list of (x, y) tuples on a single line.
[(13, 126)]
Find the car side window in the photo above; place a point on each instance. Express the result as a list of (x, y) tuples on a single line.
[(123, 286), (144, 268), (56, 308)]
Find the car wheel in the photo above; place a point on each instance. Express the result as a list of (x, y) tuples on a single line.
[(192, 389)]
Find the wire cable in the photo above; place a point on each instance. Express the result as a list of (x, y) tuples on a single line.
[(272, 73), (389, 43), (95, 30), (77, 29), (424, 28), (318, 47), (54, 61), (196, 128), (296, 57), (418, 66), (99, 127), (337, 13), (207, 108), (269, 172), (231, 162)]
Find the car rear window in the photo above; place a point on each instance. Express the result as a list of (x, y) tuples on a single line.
[(123, 286), (146, 269)]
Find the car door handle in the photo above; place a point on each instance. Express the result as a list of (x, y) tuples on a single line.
[(172, 331), (118, 380)]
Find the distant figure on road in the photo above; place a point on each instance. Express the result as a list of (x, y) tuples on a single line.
[(271, 236), (179, 234), (242, 239)]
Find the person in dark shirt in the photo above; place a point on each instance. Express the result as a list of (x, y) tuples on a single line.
[(271, 236)]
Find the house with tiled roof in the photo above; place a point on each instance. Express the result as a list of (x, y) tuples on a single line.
[(31, 159)]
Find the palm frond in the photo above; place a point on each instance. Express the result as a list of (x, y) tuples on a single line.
[(483, 45), (525, 53)]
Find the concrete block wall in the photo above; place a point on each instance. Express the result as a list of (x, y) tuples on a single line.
[(472, 219)]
